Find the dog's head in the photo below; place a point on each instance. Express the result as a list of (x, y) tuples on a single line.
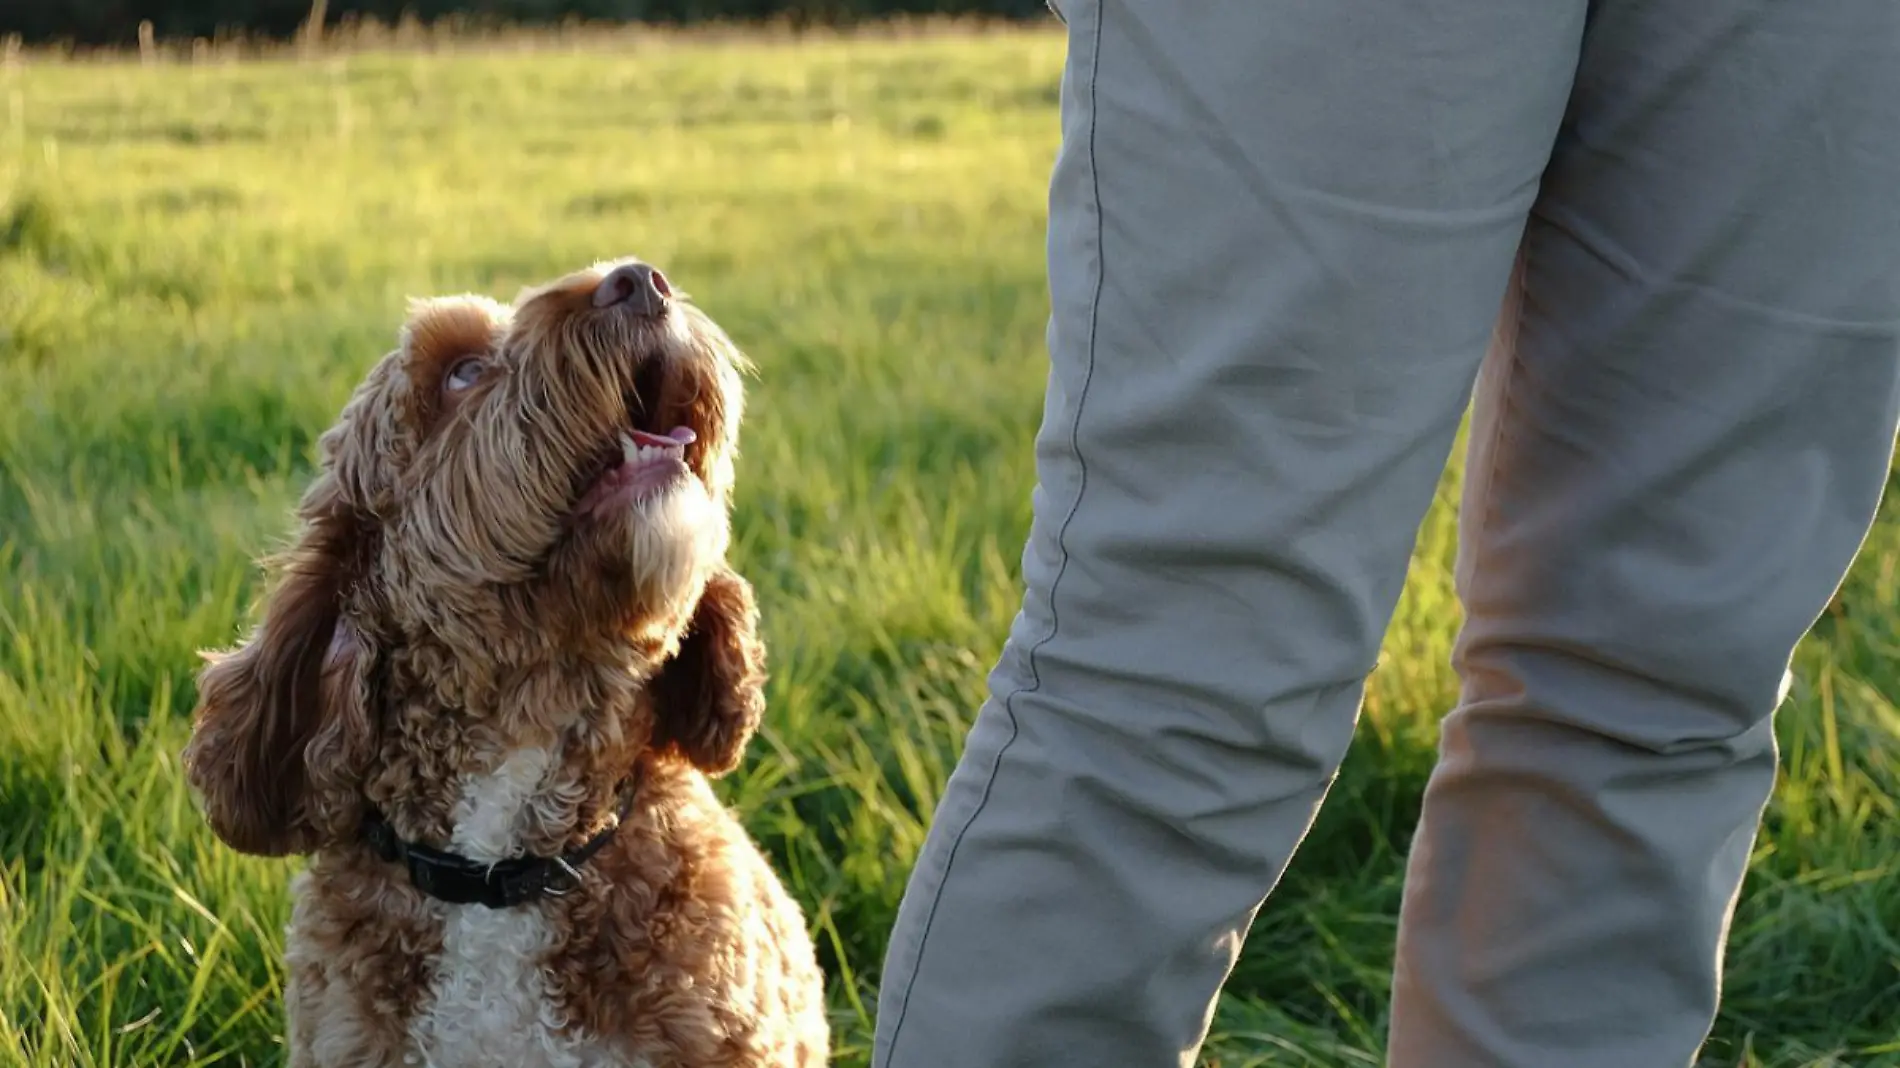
[(536, 491)]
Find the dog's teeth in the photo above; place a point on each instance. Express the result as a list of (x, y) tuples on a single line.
[(629, 452)]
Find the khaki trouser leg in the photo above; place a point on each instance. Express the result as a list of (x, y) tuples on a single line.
[(1678, 446), (1279, 236)]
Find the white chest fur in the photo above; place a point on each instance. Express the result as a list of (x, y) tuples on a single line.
[(490, 1003)]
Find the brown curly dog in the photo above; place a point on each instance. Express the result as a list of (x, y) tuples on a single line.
[(488, 688)]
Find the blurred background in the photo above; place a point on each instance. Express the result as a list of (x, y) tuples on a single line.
[(208, 229), (117, 21)]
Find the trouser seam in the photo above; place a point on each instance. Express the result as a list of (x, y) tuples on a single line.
[(1062, 566)]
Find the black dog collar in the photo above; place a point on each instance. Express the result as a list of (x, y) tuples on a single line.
[(458, 880)]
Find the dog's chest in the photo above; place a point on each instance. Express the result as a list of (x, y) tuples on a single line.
[(490, 1004)]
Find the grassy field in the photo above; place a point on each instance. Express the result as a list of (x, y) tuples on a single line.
[(197, 262)]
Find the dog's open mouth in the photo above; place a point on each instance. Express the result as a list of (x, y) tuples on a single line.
[(641, 461), (648, 464)]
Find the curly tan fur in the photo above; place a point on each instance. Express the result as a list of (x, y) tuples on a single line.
[(464, 641)]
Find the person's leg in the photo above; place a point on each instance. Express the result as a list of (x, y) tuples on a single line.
[(1679, 446), (1279, 236)]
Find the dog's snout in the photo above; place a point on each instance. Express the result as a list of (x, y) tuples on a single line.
[(635, 285)]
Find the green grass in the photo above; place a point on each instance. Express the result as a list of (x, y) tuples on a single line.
[(197, 262)]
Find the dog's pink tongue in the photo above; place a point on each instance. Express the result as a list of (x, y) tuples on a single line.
[(679, 435)]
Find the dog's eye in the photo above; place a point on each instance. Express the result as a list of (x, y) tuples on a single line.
[(463, 375)]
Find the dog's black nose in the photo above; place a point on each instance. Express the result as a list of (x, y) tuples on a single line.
[(636, 285)]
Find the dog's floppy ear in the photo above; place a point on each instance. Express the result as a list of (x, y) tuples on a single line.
[(283, 719), (710, 696)]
